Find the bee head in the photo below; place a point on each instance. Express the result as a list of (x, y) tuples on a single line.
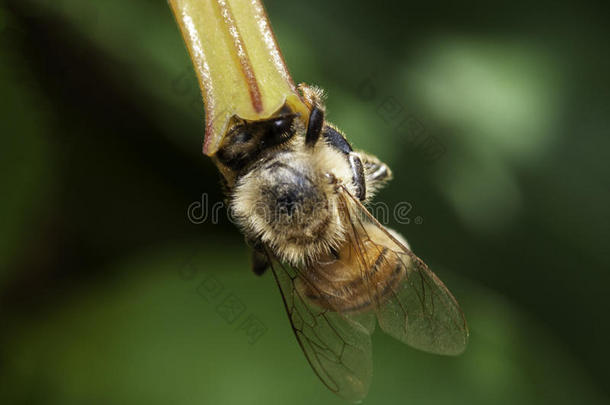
[(246, 141)]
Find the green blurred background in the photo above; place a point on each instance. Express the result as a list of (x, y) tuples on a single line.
[(494, 117)]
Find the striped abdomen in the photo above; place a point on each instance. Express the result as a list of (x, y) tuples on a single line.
[(361, 277)]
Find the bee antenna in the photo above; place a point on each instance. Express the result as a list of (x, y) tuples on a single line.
[(314, 126)]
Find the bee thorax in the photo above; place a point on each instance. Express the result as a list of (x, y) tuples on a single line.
[(290, 207)]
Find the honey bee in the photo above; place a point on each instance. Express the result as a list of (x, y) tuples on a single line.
[(298, 192)]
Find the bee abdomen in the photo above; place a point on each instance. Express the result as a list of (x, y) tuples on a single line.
[(344, 287)]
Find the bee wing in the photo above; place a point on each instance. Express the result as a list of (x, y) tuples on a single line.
[(420, 311), (337, 347)]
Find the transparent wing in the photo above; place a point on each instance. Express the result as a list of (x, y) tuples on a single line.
[(419, 310), (338, 347), (422, 313)]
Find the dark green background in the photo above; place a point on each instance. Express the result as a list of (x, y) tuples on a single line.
[(100, 151)]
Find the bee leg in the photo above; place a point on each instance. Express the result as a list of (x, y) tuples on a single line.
[(358, 177), (335, 139), (313, 96), (375, 169), (260, 264), (317, 127), (258, 259), (376, 172), (314, 126)]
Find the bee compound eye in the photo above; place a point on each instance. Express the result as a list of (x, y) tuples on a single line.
[(242, 137), (282, 125), (277, 131)]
